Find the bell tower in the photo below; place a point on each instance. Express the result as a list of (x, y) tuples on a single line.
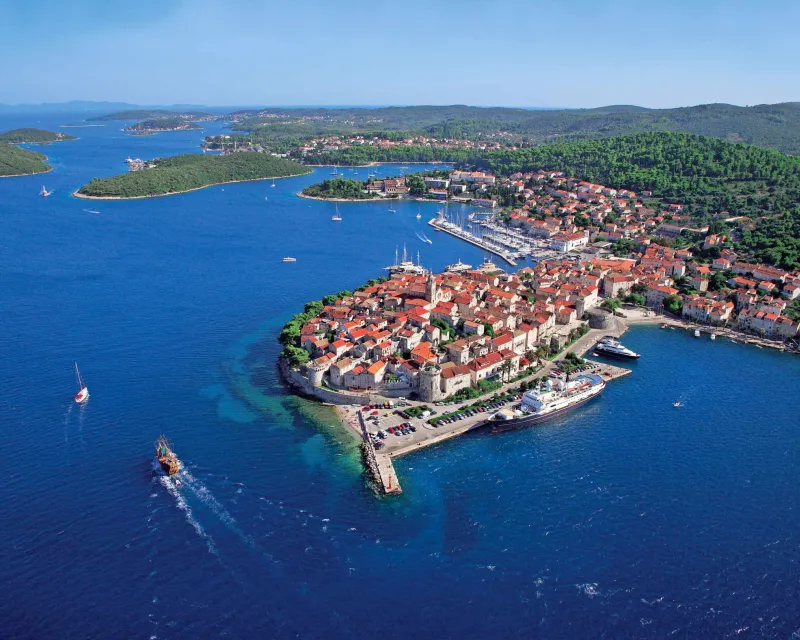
[(431, 289)]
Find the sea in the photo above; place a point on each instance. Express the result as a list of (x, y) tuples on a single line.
[(630, 518)]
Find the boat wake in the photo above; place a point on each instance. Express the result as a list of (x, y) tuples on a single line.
[(180, 501), (202, 493)]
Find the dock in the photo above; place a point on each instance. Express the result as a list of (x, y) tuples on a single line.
[(459, 233)]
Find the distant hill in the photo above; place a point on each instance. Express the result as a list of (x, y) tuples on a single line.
[(776, 126), (88, 105), (15, 161), (40, 136)]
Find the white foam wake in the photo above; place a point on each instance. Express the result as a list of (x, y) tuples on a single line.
[(202, 493), (172, 489)]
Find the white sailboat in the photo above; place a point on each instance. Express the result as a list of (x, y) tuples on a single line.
[(419, 215), (83, 392), (336, 217), (273, 182), (44, 192)]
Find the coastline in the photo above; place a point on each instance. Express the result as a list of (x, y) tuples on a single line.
[(300, 194), (175, 193), (22, 175)]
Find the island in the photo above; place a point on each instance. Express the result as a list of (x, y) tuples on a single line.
[(339, 189), (155, 125), (33, 136), (147, 114), (178, 174), (21, 162)]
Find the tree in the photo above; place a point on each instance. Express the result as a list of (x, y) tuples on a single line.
[(488, 329), (673, 304), (612, 304), (295, 355), (416, 185)]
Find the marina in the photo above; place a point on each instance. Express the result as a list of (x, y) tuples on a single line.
[(440, 224)]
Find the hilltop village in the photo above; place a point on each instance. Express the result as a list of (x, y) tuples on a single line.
[(430, 336)]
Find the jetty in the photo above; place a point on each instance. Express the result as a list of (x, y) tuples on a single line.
[(454, 230)]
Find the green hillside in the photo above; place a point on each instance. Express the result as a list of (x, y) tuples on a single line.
[(15, 161)]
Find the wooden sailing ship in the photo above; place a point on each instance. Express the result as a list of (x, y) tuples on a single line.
[(166, 459)]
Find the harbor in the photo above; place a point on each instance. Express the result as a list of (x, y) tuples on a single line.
[(394, 446), (441, 224)]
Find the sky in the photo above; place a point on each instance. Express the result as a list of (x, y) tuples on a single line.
[(524, 53)]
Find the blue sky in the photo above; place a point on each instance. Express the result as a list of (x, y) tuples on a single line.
[(571, 53)]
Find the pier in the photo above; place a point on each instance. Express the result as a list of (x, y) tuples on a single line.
[(458, 232)]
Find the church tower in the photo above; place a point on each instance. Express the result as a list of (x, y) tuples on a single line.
[(431, 290)]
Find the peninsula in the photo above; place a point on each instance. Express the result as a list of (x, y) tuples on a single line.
[(188, 172), (155, 125), (15, 161), (33, 136)]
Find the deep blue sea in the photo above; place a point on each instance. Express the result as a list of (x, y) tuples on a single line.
[(627, 519)]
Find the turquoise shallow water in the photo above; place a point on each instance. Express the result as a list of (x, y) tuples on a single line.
[(629, 518)]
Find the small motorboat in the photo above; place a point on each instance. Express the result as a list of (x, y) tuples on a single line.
[(697, 333), (713, 336), (83, 391), (289, 259), (677, 404)]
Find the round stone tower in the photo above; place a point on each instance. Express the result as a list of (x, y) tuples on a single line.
[(429, 383), (315, 373)]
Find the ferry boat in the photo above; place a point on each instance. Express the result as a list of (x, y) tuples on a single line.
[(44, 192), (556, 398), (165, 458), (83, 391), (610, 346), (289, 259), (457, 267)]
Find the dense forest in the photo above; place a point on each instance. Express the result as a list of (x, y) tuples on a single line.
[(191, 171), (339, 188), (706, 174), (361, 155), (144, 114), (776, 126), (775, 240), (172, 123), (35, 136), (15, 161)]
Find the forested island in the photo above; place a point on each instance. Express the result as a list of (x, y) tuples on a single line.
[(20, 162), (339, 189), (191, 171), (146, 114), (170, 123), (33, 136)]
